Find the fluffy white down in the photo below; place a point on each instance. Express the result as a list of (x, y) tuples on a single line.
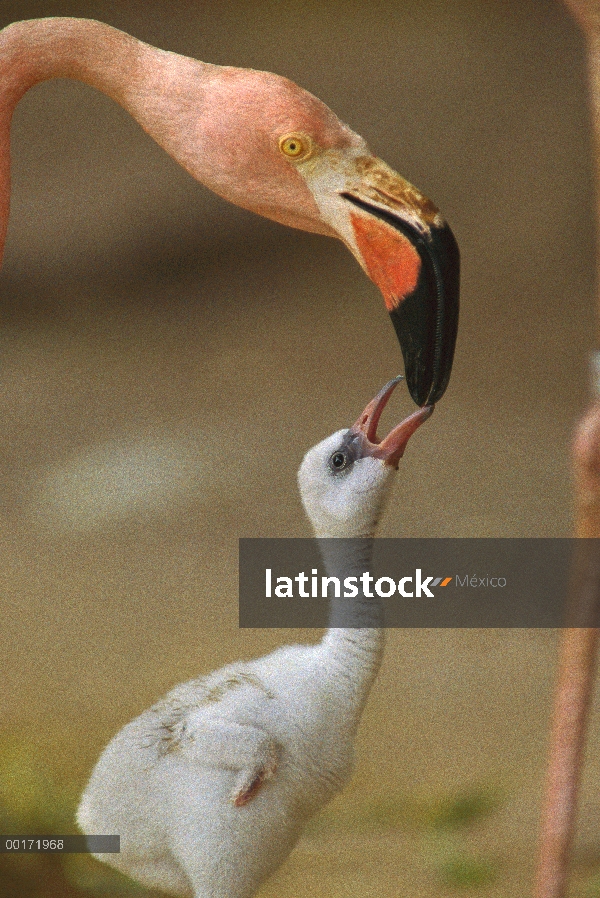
[(167, 781), (347, 503)]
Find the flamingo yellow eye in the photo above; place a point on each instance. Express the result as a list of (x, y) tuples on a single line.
[(295, 146)]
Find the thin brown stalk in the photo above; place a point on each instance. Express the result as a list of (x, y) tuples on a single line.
[(579, 641)]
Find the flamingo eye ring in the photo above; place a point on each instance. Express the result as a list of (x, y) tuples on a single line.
[(338, 461), (296, 146)]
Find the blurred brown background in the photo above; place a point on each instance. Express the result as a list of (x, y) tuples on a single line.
[(166, 359)]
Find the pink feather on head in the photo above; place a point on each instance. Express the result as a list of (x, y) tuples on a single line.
[(238, 143)]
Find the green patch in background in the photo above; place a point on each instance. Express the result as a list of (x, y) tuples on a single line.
[(32, 802)]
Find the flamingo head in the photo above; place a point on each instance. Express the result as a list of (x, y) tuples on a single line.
[(264, 143), (344, 480), (284, 154)]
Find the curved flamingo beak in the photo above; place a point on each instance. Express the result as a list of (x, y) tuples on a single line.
[(409, 251), (391, 448), (225, 126)]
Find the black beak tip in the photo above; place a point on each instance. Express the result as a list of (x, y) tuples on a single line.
[(426, 321)]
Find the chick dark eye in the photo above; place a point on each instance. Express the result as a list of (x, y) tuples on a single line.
[(338, 461)]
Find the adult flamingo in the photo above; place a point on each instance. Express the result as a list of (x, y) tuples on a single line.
[(264, 143), (210, 788)]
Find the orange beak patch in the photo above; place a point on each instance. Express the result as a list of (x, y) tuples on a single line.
[(390, 259)]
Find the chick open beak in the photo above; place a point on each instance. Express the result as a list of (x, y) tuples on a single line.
[(408, 250), (391, 448)]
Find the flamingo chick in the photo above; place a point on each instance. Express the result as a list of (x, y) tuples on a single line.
[(264, 143), (210, 788)]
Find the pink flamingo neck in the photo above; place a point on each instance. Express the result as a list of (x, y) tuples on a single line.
[(157, 87)]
